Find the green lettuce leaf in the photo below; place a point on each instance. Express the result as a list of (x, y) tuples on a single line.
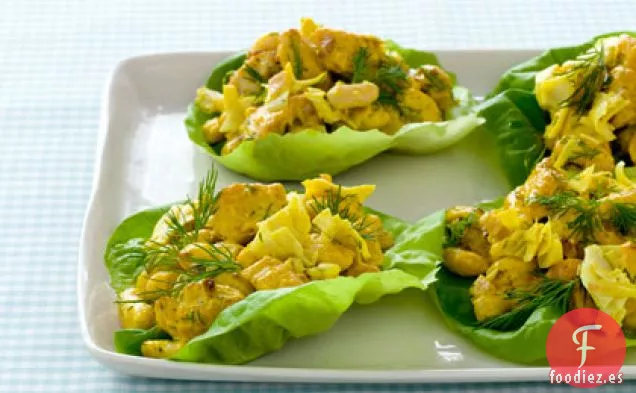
[(124, 254), (417, 248), (516, 123), (265, 320), (514, 117), (522, 76), (218, 75), (526, 345), (308, 153), (129, 341)]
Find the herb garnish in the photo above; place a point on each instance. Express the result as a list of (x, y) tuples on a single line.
[(343, 206), (165, 257), (220, 261), (623, 217), (455, 230), (587, 220), (390, 78), (589, 217), (201, 209), (591, 76), (547, 293), (360, 65)]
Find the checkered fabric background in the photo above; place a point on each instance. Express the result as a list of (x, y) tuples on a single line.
[(54, 58)]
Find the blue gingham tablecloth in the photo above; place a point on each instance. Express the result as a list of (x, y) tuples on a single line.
[(54, 58)]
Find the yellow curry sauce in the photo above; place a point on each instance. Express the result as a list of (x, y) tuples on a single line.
[(205, 255), (574, 219), (319, 78)]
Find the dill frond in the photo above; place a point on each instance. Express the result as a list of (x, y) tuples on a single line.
[(590, 74), (454, 232), (391, 78), (220, 261), (547, 293), (344, 206), (360, 65), (165, 257), (587, 219), (623, 217), (386, 98)]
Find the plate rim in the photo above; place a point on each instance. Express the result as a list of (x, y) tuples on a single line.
[(158, 368)]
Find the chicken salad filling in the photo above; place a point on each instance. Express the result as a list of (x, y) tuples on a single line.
[(320, 78), (214, 251), (566, 236)]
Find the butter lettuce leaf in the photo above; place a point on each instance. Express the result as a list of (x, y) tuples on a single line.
[(516, 123), (525, 345), (129, 341), (265, 320), (513, 115), (451, 294), (124, 255), (310, 152)]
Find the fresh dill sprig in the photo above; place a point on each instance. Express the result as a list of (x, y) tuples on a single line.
[(184, 230), (455, 231), (587, 219), (201, 209), (591, 76), (588, 215), (161, 257), (602, 190), (387, 98), (343, 206), (219, 260), (254, 74), (623, 217), (360, 65), (547, 293), (332, 200), (391, 78)]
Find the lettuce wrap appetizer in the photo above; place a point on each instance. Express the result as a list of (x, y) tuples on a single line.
[(565, 237), (230, 276), (317, 100)]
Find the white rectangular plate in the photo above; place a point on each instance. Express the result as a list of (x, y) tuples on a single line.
[(145, 159)]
